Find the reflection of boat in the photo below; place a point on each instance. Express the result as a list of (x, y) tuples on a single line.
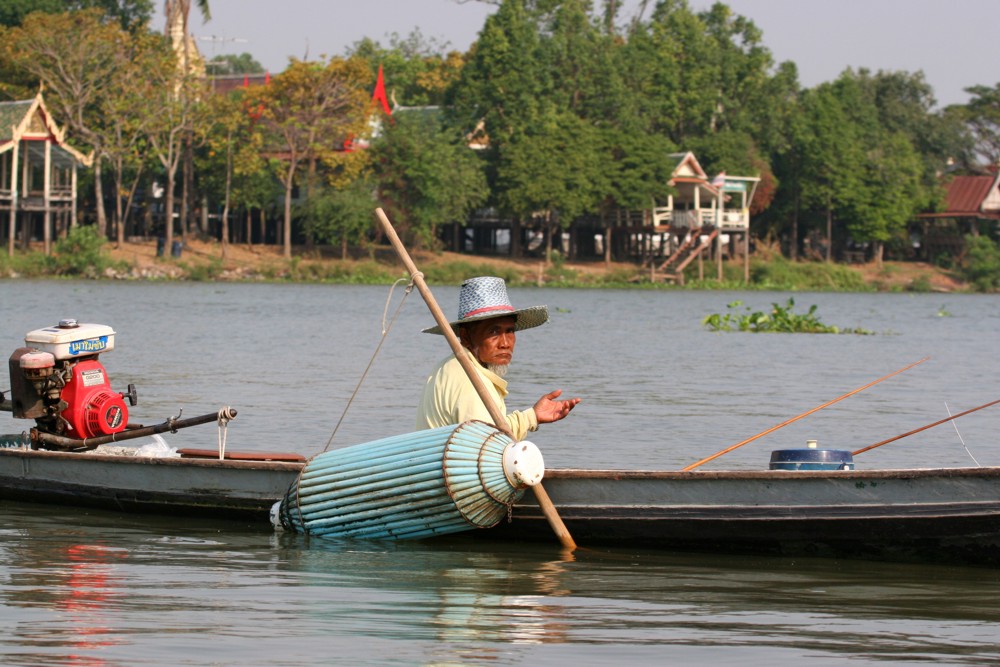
[(929, 514)]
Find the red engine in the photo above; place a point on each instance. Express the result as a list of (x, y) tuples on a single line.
[(93, 409), (59, 382)]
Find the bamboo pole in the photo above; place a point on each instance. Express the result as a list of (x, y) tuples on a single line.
[(924, 428), (499, 419), (798, 417)]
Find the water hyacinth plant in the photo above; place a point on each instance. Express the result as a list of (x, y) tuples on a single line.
[(781, 319)]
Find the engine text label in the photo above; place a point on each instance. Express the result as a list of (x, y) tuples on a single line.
[(89, 346)]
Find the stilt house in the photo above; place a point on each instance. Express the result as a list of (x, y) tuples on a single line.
[(38, 172)]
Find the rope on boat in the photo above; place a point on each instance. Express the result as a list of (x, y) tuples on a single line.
[(385, 332), (225, 416), (960, 438)]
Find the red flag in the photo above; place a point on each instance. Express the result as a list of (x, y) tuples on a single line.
[(379, 94)]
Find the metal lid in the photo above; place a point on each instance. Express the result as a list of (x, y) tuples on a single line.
[(523, 464)]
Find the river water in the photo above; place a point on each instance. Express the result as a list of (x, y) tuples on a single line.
[(81, 587)]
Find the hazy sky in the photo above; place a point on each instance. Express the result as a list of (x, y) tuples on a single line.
[(954, 42)]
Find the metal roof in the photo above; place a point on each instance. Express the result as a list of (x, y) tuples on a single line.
[(967, 193)]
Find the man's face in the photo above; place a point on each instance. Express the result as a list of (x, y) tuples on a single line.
[(491, 341)]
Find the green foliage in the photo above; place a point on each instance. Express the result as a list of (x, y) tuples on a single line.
[(427, 175), (356, 273), (554, 165), (920, 284), (781, 274), (308, 111), (339, 215), (80, 254), (781, 319), (981, 265), (26, 265), (983, 117), (454, 273), (128, 13), (203, 272), (12, 12), (417, 70), (229, 64)]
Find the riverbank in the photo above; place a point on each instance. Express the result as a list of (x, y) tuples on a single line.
[(202, 260)]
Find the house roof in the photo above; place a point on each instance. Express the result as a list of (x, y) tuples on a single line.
[(686, 165), (29, 121), (227, 83), (971, 196), (11, 116)]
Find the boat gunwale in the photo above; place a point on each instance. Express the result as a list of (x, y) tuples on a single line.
[(770, 475), (151, 460)]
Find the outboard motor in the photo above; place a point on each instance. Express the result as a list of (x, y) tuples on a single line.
[(58, 381)]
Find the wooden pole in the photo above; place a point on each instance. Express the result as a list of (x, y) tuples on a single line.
[(924, 428), (798, 417), (499, 419)]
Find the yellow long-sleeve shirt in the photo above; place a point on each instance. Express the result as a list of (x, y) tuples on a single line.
[(450, 398)]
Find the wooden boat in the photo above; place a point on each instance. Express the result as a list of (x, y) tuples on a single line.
[(945, 515), (948, 515), (240, 486)]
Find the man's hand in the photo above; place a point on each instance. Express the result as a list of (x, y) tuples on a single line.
[(548, 409)]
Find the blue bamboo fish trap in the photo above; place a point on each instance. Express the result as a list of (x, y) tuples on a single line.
[(410, 486)]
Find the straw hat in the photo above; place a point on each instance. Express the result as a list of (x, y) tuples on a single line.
[(485, 297)]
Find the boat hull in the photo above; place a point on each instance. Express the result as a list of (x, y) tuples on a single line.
[(179, 486), (940, 515), (948, 515)]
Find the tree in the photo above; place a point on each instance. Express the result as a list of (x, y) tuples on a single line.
[(553, 167), (427, 175), (982, 114), (75, 56), (171, 98), (309, 111), (125, 115), (229, 64), (340, 215), (233, 152), (504, 82), (418, 71), (180, 10), (889, 192), (907, 147), (130, 14)]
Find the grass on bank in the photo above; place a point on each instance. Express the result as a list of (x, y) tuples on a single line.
[(81, 254)]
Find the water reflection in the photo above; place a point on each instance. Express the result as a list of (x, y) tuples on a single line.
[(455, 593), (611, 598), (92, 588), (73, 576)]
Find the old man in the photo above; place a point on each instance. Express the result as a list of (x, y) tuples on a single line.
[(486, 326)]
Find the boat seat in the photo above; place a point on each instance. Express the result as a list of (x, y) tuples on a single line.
[(242, 456)]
